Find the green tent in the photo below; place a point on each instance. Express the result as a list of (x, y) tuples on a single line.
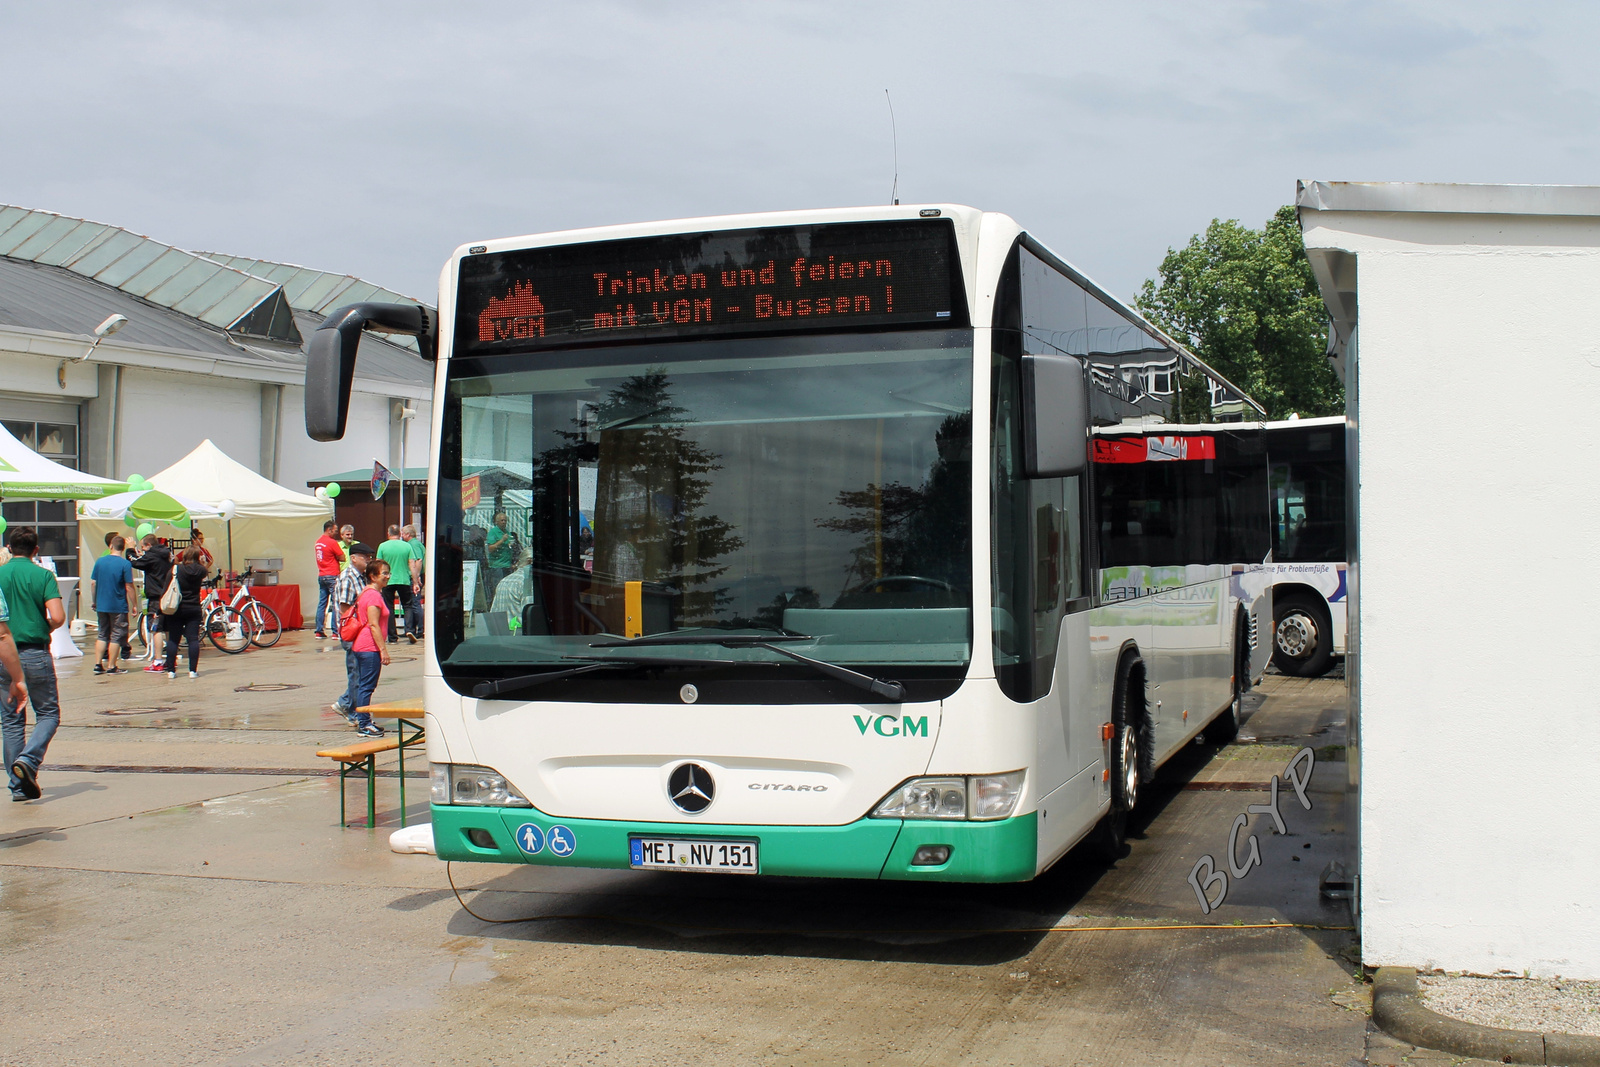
[(26, 475)]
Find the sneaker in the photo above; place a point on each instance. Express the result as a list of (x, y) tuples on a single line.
[(17, 798), (153, 668), (99, 668), (172, 674), (192, 674), (113, 670), (319, 635), (28, 779), (411, 637), (371, 729)]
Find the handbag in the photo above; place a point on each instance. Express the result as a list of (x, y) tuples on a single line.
[(351, 622), (173, 595)]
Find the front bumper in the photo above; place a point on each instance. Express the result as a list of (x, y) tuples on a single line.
[(1001, 851)]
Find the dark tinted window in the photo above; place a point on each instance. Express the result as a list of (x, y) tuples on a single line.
[(1308, 494), (1170, 512)]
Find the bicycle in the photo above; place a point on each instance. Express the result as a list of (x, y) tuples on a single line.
[(241, 622)]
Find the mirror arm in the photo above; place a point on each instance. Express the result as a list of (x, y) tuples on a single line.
[(331, 357)]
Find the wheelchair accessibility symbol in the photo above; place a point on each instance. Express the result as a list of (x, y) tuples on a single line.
[(562, 841), (530, 838)]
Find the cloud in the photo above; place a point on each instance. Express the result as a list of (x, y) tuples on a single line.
[(373, 139)]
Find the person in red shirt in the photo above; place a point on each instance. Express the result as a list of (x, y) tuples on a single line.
[(330, 561)]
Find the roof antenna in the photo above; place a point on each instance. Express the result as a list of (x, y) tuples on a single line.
[(894, 191)]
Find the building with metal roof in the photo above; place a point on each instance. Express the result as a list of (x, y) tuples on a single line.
[(213, 347)]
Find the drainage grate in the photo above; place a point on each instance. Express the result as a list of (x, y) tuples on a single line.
[(266, 687), (138, 711)]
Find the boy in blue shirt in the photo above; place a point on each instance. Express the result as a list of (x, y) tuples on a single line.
[(111, 585)]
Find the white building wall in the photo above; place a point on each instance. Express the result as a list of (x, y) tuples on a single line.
[(165, 415), (366, 438), (1479, 503)]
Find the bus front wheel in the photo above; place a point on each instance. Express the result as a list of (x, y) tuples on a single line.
[(1128, 755), (1302, 636)]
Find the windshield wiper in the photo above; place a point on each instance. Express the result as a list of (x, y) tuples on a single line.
[(485, 690), (889, 690)]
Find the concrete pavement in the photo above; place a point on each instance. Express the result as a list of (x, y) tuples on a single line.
[(218, 914)]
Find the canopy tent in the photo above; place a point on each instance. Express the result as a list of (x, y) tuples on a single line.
[(211, 475), (26, 475), (146, 505), (269, 521)]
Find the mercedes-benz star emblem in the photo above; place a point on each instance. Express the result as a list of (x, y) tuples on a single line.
[(690, 787)]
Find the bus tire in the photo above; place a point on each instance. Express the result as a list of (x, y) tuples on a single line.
[(1302, 636), (1225, 727), (1130, 741), (1130, 755)]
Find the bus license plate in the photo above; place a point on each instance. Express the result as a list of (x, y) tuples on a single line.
[(694, 854)]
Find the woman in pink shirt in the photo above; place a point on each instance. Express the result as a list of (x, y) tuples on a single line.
[(371, 646)]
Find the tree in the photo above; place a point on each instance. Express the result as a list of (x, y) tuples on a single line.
[(1246, 302)]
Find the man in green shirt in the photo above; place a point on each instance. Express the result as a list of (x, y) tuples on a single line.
[(34, 600), (413, 538), (397, 554)]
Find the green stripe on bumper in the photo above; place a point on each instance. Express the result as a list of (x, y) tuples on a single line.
[(1003, 851)]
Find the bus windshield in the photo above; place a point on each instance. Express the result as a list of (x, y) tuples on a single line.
[(804, 486)]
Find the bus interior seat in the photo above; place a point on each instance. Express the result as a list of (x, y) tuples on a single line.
[(534, 620), (497, 624)]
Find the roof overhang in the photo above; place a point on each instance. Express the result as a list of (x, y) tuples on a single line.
[(51, 345)]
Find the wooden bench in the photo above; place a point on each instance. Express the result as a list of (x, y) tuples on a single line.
[(364, 756)]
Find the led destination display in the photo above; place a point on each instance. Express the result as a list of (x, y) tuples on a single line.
[(851, 275)]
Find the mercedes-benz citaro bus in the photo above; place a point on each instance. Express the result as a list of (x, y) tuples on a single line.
[(852, 543)]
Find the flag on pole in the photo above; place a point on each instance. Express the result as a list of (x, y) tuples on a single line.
[(381, 478)]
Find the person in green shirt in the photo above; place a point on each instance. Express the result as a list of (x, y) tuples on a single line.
[(413, 538), (397, 554), (34, 600), (500, 550)]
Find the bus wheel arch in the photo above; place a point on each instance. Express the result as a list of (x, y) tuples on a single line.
[(1225, 727), (1302, 632)]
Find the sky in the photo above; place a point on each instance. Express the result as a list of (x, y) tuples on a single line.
[(372, 139)]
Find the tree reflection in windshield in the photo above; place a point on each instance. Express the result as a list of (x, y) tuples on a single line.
[(909, 537), (649, 522)]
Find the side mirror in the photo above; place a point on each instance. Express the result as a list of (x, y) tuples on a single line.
[(1055, 417), (331, 358)]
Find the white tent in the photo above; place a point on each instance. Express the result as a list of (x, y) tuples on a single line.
[(269, 521)]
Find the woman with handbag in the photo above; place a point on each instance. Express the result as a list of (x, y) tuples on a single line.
[(181, 606)]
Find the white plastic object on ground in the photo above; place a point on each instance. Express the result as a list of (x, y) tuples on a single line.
[(418, 839)]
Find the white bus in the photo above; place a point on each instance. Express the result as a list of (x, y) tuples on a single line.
[(772, 599), (1309, 550)]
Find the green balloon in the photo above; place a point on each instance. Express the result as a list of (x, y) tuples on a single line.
[(333, 489), (130, 519), (2, 526), (181, 522), (144, 530)]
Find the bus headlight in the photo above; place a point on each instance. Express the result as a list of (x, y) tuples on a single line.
[(925, 798), (459, 783), (985, 796)]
